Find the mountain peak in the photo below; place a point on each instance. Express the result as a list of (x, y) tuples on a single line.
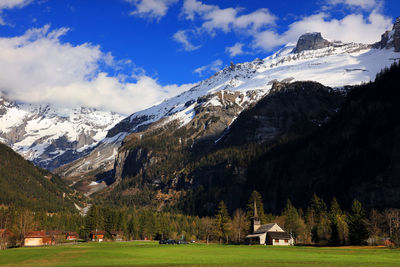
[(391, 38), (396, 24), (311, 41)]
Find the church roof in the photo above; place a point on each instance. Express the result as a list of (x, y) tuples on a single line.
[(264, 228), (279, 235), (254, 235)]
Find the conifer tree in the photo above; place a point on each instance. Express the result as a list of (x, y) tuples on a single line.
[(223, 219), (256, 196), (318, 221), (334, 212), (294, 224), (358, 232)]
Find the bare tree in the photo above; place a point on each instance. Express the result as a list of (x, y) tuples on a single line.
[(208, 228), (239, 225), (393, 221)]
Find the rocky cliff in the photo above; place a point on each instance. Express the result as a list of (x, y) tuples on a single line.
[(311, 41), (391, 39)]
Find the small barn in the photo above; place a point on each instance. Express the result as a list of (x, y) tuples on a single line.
[(38, 238), (97, 236)]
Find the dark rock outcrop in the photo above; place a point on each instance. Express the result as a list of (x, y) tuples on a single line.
[(396, 35), (311, 41), (390, 39)]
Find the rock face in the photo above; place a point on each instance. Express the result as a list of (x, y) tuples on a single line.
[(311, 41), (396, 35), (288, 108), (208, 117), (390, 39)]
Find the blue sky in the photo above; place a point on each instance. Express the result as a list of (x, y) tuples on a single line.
[(139, 52)]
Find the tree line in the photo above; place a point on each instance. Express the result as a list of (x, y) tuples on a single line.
[(320, 224)]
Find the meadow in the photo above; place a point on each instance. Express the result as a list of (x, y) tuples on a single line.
[(153, 254)]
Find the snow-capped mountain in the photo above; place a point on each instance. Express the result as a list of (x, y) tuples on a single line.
[(313, 58), (335, 65), (52, 136)]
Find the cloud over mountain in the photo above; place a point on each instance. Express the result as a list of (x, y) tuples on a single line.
[(39, 67), (263, 32)]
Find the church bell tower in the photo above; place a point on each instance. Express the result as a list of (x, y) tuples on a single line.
[(256, 219)]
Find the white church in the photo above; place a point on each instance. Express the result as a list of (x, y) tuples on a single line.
[(268, 234)]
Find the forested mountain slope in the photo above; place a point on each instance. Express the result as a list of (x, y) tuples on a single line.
[(24, 185), (355, 155), (300, 139), (167, 166)]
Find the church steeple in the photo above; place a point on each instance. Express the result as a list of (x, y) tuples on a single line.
[(256, 219)]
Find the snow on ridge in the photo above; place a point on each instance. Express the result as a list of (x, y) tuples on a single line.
[(43, 132), (336, 66)]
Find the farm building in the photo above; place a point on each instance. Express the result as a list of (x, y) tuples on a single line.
[(116, 235), (268, 234), (97, 236), (5, 236), (71, 236), (38, 238)]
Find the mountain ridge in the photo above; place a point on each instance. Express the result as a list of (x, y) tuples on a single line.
[(23, 184), (52, 136), (331, 63), (336, 64)]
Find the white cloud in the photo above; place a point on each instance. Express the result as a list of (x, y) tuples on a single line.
[(260, 25), (351, 28), (152, 9), (181, 37), (10, 4), (38, 68), (235, 50), (7, 4), (228, 19), (364, 4), (210, 68)]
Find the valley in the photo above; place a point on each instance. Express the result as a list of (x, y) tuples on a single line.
[(210, 142)]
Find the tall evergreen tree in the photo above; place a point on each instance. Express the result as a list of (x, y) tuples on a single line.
[(256, 196), (294, 224), (358, 233), (318, 221), (223, 220), (334, 214)]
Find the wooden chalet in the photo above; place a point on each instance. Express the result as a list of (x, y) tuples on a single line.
[(38, 238), (268, 234), (97, 236), (71, 236)]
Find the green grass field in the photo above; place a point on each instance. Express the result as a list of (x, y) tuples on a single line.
[(152, 254)]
